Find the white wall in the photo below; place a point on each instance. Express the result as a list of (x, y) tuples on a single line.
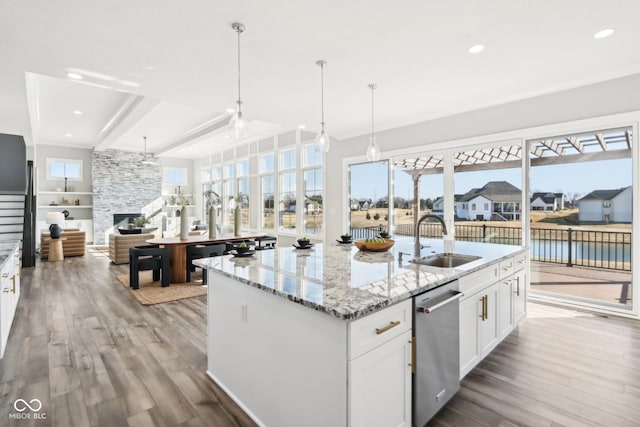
[(590, 210), (611, 97), (622, 206), (479, 204)]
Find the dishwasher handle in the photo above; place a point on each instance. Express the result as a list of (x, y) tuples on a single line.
[(431, 308)]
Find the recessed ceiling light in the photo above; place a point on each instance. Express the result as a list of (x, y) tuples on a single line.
[(68, 135), (231, 110), (477, 48), (129, 83), (77, 112), (604, 33), (302, 127), (74, 76)]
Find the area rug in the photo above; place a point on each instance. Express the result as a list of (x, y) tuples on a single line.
[(151, 292)]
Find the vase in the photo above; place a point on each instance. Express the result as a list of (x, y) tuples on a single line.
[(237, 221), (184, 224), (212, 223)]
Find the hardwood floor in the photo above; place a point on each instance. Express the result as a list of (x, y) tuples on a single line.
[(96, 357)]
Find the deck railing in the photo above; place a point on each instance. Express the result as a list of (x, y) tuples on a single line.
[(585, 248)]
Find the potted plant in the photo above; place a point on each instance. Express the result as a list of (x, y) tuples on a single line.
[(346, 237), (383, 233)]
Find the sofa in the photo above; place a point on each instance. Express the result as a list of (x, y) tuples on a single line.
[(119, 245), (74, 243)]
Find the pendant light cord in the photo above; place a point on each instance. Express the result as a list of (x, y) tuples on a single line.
[(239, 30), (372, 89), (322, 92)]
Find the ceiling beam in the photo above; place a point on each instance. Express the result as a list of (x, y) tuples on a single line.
[(128, 115), (536, 150), (193, 135)]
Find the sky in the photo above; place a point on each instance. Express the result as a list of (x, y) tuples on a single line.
[(369, 180)]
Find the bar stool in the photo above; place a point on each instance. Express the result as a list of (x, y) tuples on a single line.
[(202, 251), (148, 257)]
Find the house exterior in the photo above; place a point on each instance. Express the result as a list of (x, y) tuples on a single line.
[(606, 206), (547, 201), (495, 200), (438, 204)]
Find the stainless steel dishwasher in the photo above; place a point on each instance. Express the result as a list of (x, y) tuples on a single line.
[(437, 350)]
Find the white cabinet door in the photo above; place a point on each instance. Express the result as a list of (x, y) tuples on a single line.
[(488, 324), (505, 314), (470, 311), (380, 385), (519, 296)]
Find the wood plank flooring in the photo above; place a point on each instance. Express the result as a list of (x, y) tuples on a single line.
[(95, 357)]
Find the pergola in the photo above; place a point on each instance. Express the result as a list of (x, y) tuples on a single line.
[(603, 145)]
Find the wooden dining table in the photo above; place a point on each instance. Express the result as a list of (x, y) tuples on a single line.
[(178, 250)]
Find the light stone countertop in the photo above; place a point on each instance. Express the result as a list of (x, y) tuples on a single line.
[(344, 282), (5, 250)]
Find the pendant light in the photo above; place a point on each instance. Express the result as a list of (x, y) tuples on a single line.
[(238, 126), (322, 139), (148, 158), (373, 151)]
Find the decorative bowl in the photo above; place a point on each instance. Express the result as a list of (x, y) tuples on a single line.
[(242, 250), (374, 247), (346, 237), (304, 243)]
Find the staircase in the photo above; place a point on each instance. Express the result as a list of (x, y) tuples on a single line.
[(11, 217)]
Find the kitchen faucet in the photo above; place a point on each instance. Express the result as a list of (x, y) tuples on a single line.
[(416, 233)]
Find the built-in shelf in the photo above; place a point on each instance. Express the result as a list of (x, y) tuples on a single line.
[(60, 193)]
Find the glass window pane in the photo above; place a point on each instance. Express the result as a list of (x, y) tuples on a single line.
[(175, 176), (288, 159), (72, 170), (243, 189), (206, 174), (216, 172), (57, 169), (242, 168), (229, 170), (313, 202), (267, 164), (369, 199), (267, 185), (311, 156), (287, 208)]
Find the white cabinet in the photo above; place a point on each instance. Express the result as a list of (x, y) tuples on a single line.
[(9, 295), (505, 307), (380, 385), (380, 349), (494, 303), (519, 296)]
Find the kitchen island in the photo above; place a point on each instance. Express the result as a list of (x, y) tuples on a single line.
[(323, 336)]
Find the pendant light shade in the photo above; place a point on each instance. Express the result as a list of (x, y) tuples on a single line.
[(238, 126), (373, 151), (322, 138)]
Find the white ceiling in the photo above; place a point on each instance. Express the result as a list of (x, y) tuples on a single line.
[(166, 70)]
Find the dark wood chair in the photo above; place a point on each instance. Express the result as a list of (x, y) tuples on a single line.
[(148, 257), (202, 251), (266, 242)]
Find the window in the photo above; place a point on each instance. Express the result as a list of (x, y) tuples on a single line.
[(64, 168), (267, 190), (473, 206), (606, 204), (313, 206), (287, 208), (175, 176), (486, 206), (229, 190), (242, 173)]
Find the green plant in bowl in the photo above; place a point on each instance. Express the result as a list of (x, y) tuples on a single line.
[(304, 242)]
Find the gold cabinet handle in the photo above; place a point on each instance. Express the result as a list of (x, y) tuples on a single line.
[(386, 328), (518, 286), (483, 316), (485, 309), (13, 287), (5, 275), (413, 355)]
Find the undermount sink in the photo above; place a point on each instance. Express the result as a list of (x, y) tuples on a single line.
[(445, 260)]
